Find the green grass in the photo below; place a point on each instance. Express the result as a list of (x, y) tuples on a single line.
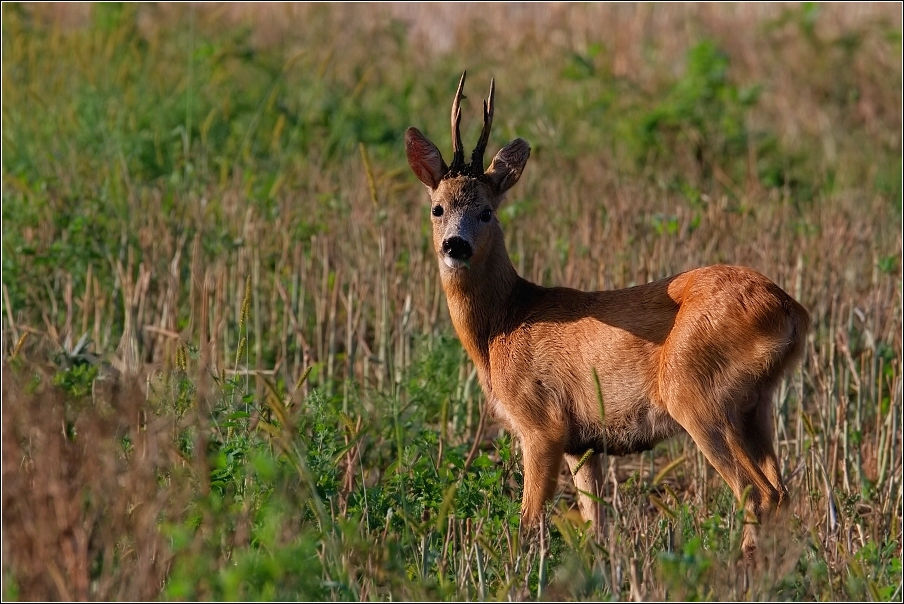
[(229, 371)]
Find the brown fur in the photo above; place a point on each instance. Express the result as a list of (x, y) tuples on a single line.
[(701, 351)]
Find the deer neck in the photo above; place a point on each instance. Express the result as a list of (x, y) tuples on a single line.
[(479, 301)]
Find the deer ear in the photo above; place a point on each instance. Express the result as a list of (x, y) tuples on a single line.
[(424, 158), (508, 165)]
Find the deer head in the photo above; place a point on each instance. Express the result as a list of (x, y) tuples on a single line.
[(464, 197)]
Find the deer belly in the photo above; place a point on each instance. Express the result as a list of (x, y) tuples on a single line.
[(627, 430)]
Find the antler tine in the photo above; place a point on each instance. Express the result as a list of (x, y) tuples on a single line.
[(477, 156), (458, 154)]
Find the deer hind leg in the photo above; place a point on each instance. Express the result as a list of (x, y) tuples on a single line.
[(763, 496), (760, 443), (542, 460), (728, 447), (588, 480)]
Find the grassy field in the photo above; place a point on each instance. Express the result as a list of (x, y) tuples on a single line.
[(228, 367)]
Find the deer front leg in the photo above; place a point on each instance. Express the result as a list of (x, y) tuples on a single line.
[(588, 480), (542, 460)]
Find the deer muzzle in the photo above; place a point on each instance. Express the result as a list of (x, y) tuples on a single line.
[(457, 252)]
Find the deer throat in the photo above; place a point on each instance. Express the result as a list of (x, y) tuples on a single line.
[(479, 300)]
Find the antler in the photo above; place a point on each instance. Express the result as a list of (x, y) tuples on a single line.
[(475, 168), (458, 154), (477, 156)]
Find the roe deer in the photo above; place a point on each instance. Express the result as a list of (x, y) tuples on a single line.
[(701, 351)]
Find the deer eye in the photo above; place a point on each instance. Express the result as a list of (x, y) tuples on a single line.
[(486, 215), (437, 211)]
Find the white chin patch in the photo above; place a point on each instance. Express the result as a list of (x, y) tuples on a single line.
[(456, 264)]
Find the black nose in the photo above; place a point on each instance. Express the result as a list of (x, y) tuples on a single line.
[(457, 248)]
